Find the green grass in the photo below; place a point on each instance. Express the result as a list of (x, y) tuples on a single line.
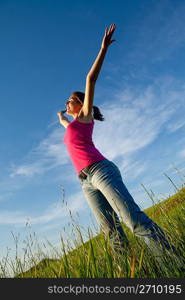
[(95, 258)]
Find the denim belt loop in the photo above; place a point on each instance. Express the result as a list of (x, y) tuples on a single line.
[(82, 175)]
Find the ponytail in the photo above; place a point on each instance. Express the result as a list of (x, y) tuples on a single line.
[(96, 111), (97, 114)]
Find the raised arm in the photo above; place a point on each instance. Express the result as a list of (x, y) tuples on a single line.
[(95, 70), (62, 119)]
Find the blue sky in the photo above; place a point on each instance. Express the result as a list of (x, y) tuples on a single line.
[(47, 49)]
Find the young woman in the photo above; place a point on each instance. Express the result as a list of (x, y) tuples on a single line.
[(100, 178)]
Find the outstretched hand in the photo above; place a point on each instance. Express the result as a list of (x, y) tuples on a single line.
[(60, 114), (107, 36)]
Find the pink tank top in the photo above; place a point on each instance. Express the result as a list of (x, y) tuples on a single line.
[(78, 139)]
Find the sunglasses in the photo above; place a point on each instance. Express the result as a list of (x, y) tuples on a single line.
[(73, 100)]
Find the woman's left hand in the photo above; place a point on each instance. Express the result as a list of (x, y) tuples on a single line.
[(107, 37)]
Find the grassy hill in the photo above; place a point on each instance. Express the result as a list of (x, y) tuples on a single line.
[(96, 259)]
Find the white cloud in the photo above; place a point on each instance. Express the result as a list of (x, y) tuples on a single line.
[(177, 124), (182, 153), (135, 122), (49, 154), (55, 211), (28, 170), (133, 169)]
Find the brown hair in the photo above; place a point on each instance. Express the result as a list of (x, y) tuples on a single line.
[(96, 111)]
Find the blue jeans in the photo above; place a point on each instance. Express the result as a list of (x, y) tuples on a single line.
[(110, 200)]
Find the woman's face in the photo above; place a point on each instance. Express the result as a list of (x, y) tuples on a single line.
[(73, 105)]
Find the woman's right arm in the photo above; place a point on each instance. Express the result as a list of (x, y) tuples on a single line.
[(62, 119)]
